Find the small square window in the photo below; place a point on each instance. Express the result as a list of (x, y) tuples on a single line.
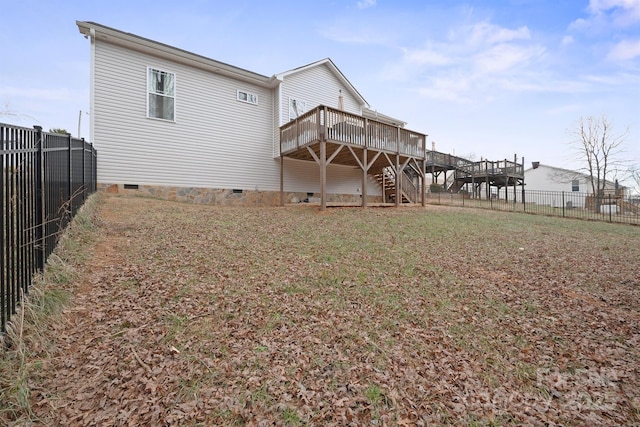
[(575, 185)]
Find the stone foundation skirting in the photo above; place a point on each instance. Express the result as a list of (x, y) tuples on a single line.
[(228, 197)]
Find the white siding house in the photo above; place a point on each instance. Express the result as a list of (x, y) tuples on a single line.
[(550, 178), (559, 185), (173, 123)]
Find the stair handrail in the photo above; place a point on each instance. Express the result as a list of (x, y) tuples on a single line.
[(409, 189)]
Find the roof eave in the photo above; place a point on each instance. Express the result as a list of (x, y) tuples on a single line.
[(143, 45)]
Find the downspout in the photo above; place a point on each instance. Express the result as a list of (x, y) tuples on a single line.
[(92, 86), (277, 104)]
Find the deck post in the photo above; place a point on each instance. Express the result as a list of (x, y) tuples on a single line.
[(423, 173), (323, 174), (523, 205), (506, 182), (488, 187), (515, 172), (365, 170), (281, 180), (474, 190), (398, 187)]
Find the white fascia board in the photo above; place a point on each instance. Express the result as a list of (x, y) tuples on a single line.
[(373, 114)]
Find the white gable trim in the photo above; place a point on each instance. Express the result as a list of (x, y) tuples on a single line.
[(329, 63)]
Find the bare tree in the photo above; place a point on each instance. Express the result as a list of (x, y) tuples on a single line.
[(598, 148), (7, 112), (61, 131), (634, 174)]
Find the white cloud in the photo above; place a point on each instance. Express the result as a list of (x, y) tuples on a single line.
[(567, 40), (625, 50), (486, 33), (449, 88), (365, 4), (428, 56), (475, 63), (608, 13), (505, 57)]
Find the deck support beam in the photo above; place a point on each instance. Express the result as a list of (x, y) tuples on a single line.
[(365, 172), (423, 177), (323, 175), (281, 180), (398, 186)]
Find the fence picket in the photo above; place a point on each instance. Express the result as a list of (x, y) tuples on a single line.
[(38, 184)]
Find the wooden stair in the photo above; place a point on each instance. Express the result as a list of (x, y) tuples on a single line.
[(387, 182), (455, 186), (628, 207)]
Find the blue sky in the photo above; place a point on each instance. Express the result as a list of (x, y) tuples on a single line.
[(483, 78)]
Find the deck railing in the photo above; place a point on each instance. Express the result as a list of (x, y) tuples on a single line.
[(341, 127), (442, 159), (486, 167), (409, 188)]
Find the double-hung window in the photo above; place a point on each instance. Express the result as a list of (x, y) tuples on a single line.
[(161, 88), (575, 185)]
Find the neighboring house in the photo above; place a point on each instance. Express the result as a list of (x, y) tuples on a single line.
[(563, 184), (178, 125)]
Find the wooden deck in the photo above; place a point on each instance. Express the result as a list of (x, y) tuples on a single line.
[(341, 129), (327, 135)]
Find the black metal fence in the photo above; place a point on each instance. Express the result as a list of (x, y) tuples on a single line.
[(566, 204), (45, 178)]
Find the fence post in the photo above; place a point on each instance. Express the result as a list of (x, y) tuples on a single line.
[(84, 172), (70, 185), (40, 200), (94, 167), (563, 204), (610, 219)]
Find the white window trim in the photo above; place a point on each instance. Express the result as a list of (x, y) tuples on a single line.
[(249, 96), (175, 92), (575, 187)]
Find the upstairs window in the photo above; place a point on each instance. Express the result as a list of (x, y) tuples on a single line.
[(575, 185), (297, 108), (161, 88), (248, 97)]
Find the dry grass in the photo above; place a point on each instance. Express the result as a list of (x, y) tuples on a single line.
[(193, 315), (27, 341)]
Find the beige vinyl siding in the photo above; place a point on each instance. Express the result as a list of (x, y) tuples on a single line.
[(316, 86), (304, 176), (215, 141)]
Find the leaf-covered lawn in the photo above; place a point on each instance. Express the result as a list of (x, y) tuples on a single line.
[(194, 315)]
